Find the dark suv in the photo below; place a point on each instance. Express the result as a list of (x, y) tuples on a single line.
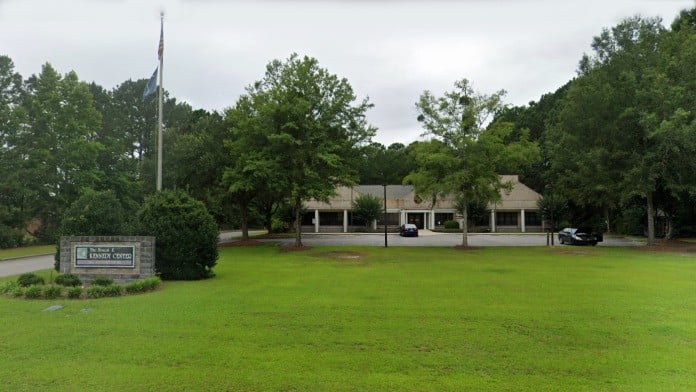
[(579, 236)]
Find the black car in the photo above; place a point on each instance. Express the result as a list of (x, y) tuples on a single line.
[(579, 236), (408, 230)]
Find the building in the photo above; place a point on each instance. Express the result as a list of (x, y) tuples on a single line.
[(517, 210)]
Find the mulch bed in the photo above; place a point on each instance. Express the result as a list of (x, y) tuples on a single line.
[(662, 245), (240, 243)]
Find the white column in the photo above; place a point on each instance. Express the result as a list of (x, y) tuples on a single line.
[(522, 221), (345, 221), (492, 221), (316, 221), (402, 219), (374, 224), (432, 219)]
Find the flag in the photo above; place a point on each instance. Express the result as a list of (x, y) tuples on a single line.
[(151, 85), (160, 48)]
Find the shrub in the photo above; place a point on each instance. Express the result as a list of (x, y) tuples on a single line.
[(10, 237), (74, 292), (113, 290), (95, 291), (450, 224), (278, 226), (8, 287), (68, 280), (187, 236), (29, 279), (102, 281), (18, 291), (367, 208), (33, 292), (52, 291), (140, 286)]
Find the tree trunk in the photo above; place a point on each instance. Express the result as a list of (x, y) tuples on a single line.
[(669, 231), (298, 222), (651, 219), (606, 218), (244, 217), (465, 229)]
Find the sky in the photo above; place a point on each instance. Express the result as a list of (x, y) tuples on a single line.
[(388, 50)]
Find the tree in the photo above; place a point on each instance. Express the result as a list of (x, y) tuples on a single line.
[(638, 141), (309, 125), (57, 143), (463, 155), (366, 208)]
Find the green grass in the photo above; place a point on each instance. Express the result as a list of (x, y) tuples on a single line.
[(405, 319), (26, 251)]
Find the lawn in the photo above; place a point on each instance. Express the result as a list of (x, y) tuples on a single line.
[(26, 251), (371, 319)]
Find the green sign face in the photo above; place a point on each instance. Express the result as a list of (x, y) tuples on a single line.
[(104, 256)]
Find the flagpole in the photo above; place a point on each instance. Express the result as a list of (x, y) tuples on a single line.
[(160, 52)]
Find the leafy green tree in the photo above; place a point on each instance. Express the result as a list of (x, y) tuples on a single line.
[(384, 165), (367, 208), (309, 124), (463, 156), (58, 143), (254, 170), (13, 191), (627, 120)]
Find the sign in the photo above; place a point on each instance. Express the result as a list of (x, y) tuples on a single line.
[(104, 256)]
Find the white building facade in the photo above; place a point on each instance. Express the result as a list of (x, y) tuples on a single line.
[(517, 210)]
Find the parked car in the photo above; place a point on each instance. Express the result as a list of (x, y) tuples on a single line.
[(408, 230), (579, 236)]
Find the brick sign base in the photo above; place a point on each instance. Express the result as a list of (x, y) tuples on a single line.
[(124, 259)]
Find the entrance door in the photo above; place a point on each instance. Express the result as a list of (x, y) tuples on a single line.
[(416, 218)]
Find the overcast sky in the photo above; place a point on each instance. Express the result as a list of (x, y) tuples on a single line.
[(388, 50)]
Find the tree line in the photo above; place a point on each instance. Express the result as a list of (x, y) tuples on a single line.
[(613, 147)]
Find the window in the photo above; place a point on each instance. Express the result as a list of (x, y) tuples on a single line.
[(442, 217), (308, 218), (506, 218), (331, 218), (532, 218), (392, 219)]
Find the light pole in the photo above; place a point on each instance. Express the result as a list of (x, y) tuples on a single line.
[(385, 213)]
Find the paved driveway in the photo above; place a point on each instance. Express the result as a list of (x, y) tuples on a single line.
[(428, 238), (26, 264)]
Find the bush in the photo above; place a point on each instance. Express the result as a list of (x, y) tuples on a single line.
[(68, 280), (8, 287), (187, 236), (450, 224), (10, 237), (367, 208), (18, 291), (278, 226), (52, 291), (141, 286), (95, 291), (33, 292), (102, 281), (113, 290), (74, 292), (29, 279)]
